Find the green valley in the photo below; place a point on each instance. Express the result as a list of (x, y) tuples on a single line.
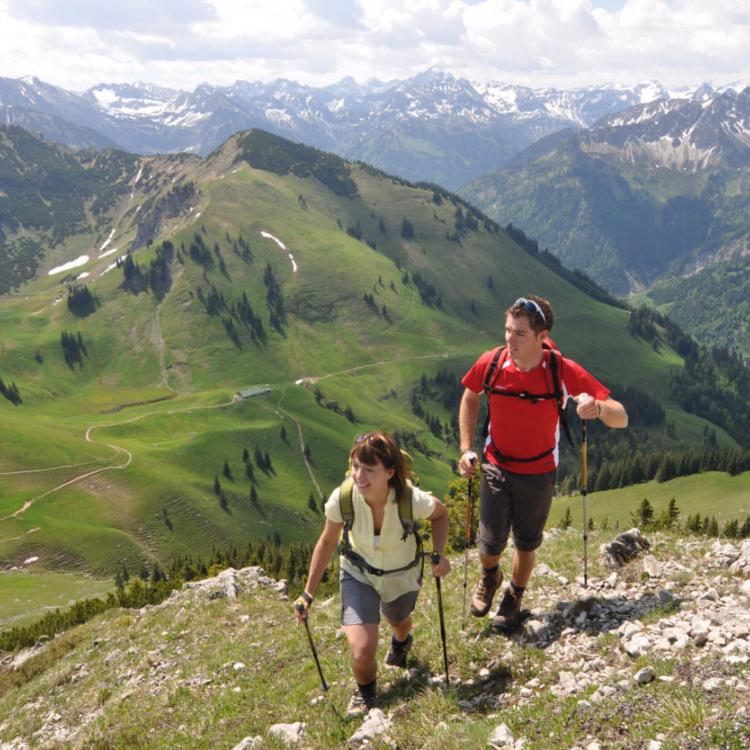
[(327, 289)]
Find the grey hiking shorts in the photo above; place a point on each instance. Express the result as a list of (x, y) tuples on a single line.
[(361, 605), (513, 502)]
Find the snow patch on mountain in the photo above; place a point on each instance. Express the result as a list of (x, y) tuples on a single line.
[(335, 105), (278, 116), (269, 236), (79, 261), (107, 241)]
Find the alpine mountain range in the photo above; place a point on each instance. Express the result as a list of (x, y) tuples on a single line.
[(643, 187), (431, 127)]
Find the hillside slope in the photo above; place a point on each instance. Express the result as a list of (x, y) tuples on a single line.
[(337, 292), (651, 197), (653, 654)]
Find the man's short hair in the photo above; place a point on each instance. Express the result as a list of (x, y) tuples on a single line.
[(537, 309)]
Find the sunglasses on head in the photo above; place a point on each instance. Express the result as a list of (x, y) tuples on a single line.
[(371, 439), (530, 307)]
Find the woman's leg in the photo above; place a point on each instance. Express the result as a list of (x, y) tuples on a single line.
[(363, 643), (402, 628)]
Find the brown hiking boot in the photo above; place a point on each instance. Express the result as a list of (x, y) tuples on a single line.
[(508, 616), (481, 596)]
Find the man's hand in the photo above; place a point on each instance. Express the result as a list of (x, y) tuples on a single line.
[(588, 407), (467, 465)]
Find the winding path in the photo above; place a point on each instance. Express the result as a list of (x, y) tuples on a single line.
[(119, 451)]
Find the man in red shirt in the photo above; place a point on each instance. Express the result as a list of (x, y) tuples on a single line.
[(521, 452)]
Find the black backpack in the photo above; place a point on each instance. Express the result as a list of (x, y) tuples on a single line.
[(555, 366)]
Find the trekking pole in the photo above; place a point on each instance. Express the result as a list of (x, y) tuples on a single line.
[(435, 558), (469, 527), (300, 608), (585, 492)]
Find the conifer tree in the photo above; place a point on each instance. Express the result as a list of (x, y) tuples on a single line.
[(567, 519), (731, 529), (603, 477), (644, 516), (259, 459), (673, 513)]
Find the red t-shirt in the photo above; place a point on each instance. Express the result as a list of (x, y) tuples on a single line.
[(522, 428)]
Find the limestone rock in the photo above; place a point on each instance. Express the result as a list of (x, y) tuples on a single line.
[(741, 566), (644, 676), (501, 738), (375, 724), (290, 733), (249, 743)]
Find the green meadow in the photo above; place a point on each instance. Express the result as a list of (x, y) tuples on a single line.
[(114, 460), (26, 595), (712, 493)]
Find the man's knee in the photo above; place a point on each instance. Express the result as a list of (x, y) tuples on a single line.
[(491, 548), (528, 545)]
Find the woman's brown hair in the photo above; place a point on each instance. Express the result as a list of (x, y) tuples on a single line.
[(380, 447)]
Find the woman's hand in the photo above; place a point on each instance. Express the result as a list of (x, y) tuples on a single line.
[(302, 606), (441, 566)]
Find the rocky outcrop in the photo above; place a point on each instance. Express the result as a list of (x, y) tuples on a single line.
[(624, 548)]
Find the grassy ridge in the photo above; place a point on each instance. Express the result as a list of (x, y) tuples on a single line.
[(133, 678), (154, 368)]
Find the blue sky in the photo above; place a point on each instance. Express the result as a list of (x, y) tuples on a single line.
[(181, 43)]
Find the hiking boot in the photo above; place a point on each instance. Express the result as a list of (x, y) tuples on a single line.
[(397, 653), (481, 596), (508, 616), (360, 703)]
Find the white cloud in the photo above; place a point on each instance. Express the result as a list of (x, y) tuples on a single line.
[(180, 43), (138, 15)]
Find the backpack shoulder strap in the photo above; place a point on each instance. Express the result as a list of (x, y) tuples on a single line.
[(498, 358), (555, 368), (406, 511), (346, 506)]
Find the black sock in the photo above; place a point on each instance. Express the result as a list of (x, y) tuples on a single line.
[(396, 642), (368, 689), (517, 590), (493, 569)]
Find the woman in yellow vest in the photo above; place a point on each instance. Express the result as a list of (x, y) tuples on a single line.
[(381, 560)]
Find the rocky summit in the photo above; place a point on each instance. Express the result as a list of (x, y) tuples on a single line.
[(653, 653)]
